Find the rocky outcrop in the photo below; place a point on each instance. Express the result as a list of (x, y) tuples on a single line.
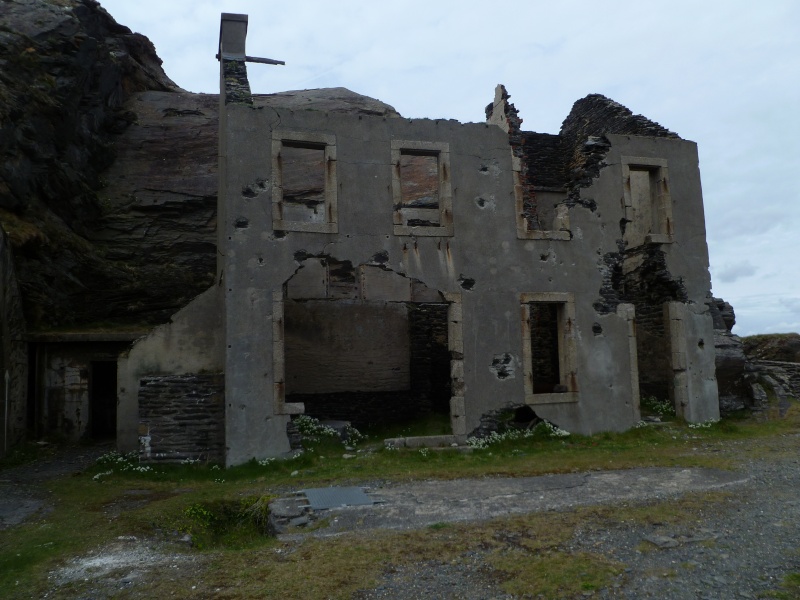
[(108, 170), (734, 375), (748, 369), (66, 71), (335, 100)]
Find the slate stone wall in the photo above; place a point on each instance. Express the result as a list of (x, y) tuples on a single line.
[(182, 417), (13, 353), (648, 287)]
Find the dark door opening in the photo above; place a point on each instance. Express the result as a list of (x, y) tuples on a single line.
[(545, 356), (103, 399)]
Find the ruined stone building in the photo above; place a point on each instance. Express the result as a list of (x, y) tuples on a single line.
[(374, 268), (369, 268)]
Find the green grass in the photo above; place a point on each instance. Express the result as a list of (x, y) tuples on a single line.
[(224, 512)]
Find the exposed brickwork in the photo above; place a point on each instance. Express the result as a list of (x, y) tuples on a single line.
[(596, 116), (584, 144), (648, 287), (182, 416), (544, 160), (364, 409)]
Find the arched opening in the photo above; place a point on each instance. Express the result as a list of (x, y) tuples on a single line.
[(364, 344)]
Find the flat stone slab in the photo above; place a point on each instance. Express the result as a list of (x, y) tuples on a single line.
[(336, 497), (419, 504)]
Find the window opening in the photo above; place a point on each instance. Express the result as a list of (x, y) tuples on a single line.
[(303, 178), (648, 206), (103, 399), (421, 188), (549, 350), (419, 185), (545, 367), (304, 182)]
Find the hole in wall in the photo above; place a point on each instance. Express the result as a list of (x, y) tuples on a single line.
[(466, 282), (503, 366)]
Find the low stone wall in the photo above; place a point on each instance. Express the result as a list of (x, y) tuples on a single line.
[(182, 417)]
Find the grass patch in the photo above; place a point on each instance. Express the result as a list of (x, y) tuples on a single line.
[(27, 452), (433, 424), (790, 588), (224, 511)]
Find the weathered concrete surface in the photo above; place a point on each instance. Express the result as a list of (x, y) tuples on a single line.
[(419, 504)]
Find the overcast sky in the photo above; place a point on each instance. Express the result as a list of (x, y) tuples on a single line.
[(725, 74)]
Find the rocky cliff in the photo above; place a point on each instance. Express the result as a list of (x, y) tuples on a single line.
[(108, 177), (107, 183)]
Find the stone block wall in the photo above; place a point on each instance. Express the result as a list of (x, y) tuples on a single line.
[(182, 417)]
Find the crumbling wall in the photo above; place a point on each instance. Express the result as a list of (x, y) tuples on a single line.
[(404, 374), (648, 285), (346, 346), (596, 116), (182, 417), (363, 344), (584, 139), (541, 163)]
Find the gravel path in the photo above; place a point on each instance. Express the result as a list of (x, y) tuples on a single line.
[(21, 490), (742, 548)]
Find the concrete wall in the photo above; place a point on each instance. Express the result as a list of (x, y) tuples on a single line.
[(13, 354), (483, 252), (483, 260), (191, 343)]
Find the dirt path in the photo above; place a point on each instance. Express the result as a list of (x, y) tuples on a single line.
[(21, 491)]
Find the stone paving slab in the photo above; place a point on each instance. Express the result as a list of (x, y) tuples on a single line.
[(419, 504)]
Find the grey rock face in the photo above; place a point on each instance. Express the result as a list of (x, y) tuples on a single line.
[(108, 170)]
